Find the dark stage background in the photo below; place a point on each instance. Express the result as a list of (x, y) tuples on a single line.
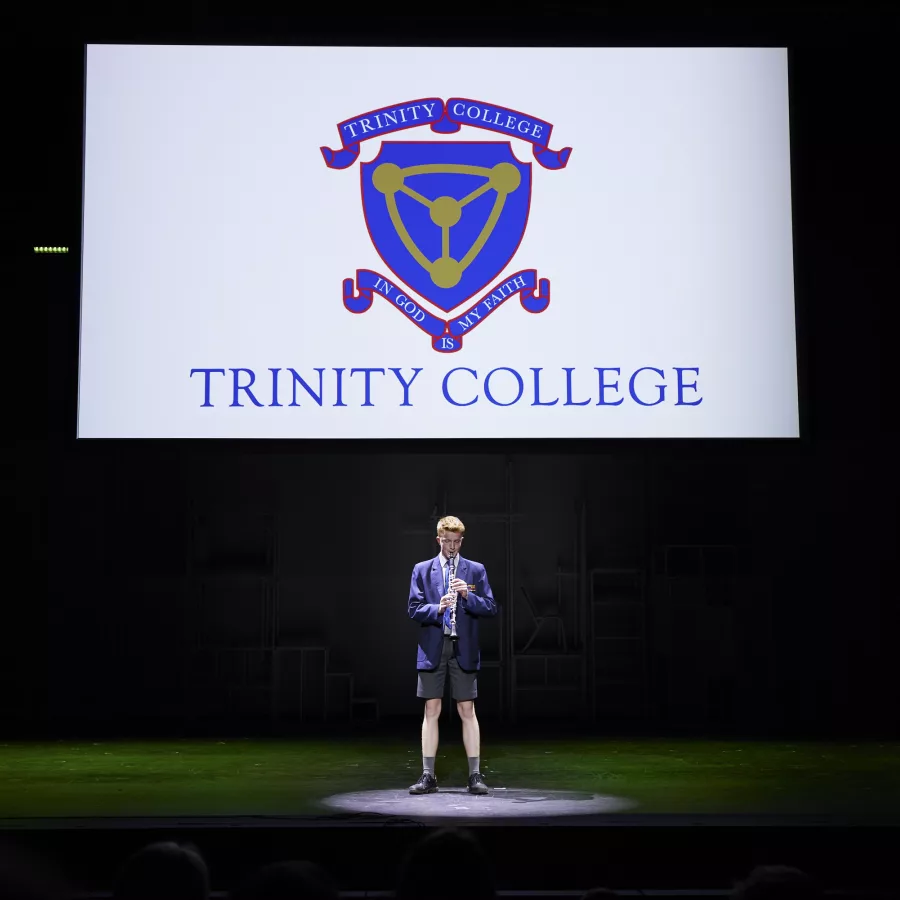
[(185, 576)]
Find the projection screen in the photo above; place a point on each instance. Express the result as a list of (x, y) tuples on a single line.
[(384, 242)]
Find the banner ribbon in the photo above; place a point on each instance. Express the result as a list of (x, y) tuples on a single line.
[(446, 334), (444, 118)]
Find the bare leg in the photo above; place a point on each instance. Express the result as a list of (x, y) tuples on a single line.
[(471, 732), (430, 727)]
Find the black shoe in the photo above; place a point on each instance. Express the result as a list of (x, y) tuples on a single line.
[(427, 784), (476, 784)]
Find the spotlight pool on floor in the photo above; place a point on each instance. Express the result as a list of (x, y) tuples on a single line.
[(457, 802)]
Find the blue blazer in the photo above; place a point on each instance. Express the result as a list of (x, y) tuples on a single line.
[(426, 588)]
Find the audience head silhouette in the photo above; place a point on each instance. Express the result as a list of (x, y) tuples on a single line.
[(599, 893), (292, 880), (448, 864), (170, 870), (777, 883)]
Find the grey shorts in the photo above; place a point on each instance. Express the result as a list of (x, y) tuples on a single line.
[(463, 685)]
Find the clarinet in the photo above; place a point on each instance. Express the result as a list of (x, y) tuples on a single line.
[(453, 635)]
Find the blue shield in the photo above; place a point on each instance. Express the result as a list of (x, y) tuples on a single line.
[(446, 218)]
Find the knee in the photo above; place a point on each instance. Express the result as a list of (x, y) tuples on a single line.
[(466, 709), (432, 709)]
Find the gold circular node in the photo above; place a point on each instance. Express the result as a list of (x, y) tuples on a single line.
[(505, 178), (445, 212), (388, 178), (446, 272)]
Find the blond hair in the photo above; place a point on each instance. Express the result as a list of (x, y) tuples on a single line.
[(450, 523)]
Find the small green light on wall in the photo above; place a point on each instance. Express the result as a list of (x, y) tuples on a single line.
[(51, 249)]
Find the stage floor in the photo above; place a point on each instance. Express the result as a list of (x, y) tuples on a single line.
[(565, 781), (647, 814)]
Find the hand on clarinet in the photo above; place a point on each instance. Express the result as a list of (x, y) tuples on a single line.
[(461, 588), (448, 600)]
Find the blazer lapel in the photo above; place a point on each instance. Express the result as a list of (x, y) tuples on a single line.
[(462, 571), (437, 577)]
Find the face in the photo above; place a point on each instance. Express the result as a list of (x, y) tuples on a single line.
[(450, 543)]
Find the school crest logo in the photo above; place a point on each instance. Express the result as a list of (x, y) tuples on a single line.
[(446, 217)]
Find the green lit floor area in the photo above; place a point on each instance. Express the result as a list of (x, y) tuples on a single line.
[(293, 777)]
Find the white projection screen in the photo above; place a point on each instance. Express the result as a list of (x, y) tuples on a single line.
[(349, 242)]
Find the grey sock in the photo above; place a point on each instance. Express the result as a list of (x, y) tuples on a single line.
[(428, 764), (474, 762)]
